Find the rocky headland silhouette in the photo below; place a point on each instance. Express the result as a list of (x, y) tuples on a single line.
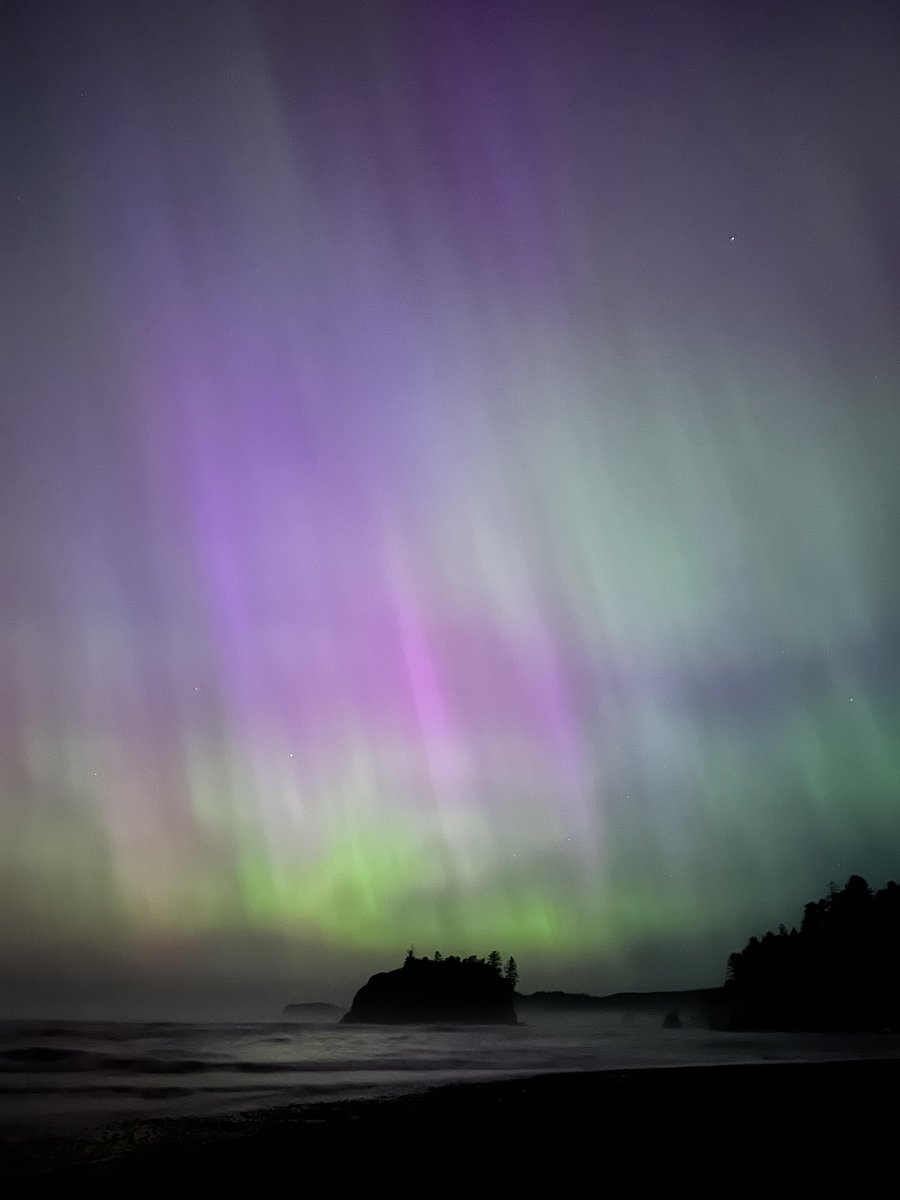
[(838, 971)]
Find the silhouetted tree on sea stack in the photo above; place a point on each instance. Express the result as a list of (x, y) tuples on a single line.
[(841, 969)]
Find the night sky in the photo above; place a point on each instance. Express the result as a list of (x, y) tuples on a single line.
[(450, 467)]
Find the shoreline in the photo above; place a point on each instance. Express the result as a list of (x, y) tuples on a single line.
[(636, 1118)]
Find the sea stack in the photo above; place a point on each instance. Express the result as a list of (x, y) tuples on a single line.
[(436, 991)]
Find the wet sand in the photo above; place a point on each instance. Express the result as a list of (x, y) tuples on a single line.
[(673, 1126)]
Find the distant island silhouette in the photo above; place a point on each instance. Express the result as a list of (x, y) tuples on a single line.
[(701, 1006), (473, 991)]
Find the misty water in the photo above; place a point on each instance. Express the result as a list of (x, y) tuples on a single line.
[(80, 1075)]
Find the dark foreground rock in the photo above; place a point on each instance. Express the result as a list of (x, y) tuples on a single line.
[(425, 991)]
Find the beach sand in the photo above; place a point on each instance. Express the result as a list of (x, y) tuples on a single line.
[(724, 1126)]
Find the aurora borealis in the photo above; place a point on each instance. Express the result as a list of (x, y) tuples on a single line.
[(450, 487)]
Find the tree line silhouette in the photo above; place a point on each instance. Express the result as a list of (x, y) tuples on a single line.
[(494, 961), (840, 969)]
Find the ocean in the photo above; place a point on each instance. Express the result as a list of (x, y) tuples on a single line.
[(72, 1076)]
